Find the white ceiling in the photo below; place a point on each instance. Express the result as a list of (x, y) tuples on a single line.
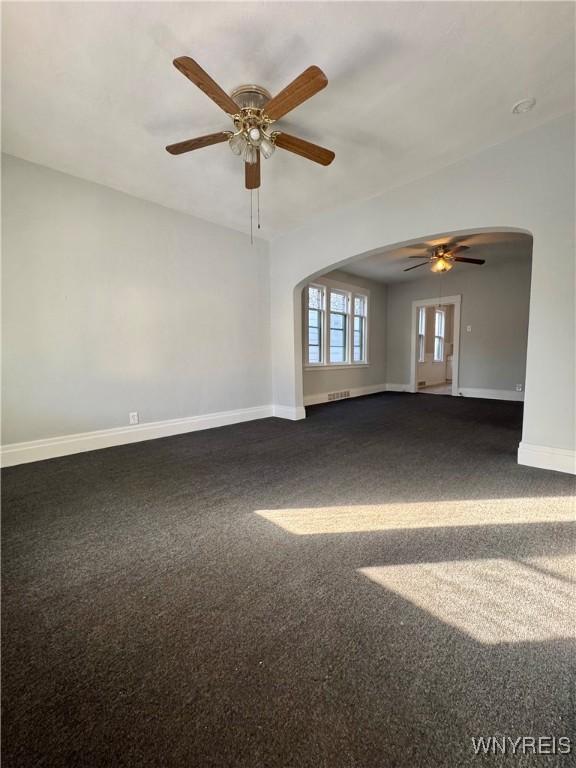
[(388, 265), (89, 89)]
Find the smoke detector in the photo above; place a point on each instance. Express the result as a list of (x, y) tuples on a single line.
[(525, 105)]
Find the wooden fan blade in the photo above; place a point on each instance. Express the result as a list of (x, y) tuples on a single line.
[(201, 141), (196, 74), (470, 261), (302, 88), (458, 249), (417, 256), (304, 148), (252, 173), (417, 265)]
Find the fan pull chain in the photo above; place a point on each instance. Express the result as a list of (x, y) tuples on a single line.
[(251, 218), (258, 196)]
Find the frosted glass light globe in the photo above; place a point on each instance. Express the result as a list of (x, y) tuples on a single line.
[(441, 265), (254, 134), (250, 154), (237, 143), (267, 148)]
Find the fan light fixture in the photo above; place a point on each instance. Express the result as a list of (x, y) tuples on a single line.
[(442, 260), (251, 125), (441, 264)]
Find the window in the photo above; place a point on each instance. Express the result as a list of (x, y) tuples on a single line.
[(439, 323), (421, 334), (338, 326), (315, 323), (359, 340), (336, 329)]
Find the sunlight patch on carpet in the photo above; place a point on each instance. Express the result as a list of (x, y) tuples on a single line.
[(358, 518), (492, 601)]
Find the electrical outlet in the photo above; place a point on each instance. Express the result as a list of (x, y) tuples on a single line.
[(133, 417), (469, 329), (519, 387)]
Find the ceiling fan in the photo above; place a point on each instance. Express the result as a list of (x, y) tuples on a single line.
[(441, 258), (253, 111)]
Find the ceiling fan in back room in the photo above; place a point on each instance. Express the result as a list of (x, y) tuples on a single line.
[(441, 258), (253, 111)]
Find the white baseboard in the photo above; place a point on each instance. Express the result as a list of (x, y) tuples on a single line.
[(487, 394), (491, 394), (49, 448), (398, 388), (481, 392), (289, 412), (546, 457), (354, 392)]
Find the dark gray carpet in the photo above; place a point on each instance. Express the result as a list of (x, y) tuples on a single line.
[(151, 618)]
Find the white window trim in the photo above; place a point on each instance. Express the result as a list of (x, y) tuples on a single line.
[(352, 290), (443, 337), (348, 300), (322, 362), (422, 337), (333, 366)]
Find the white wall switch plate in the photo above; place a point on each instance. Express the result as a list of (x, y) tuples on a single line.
[(469, 329), (133, 417), (519, 387)]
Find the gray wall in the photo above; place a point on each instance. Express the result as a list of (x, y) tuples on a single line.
[(112, 304), (495, 302), (320, 381), (526, 184)]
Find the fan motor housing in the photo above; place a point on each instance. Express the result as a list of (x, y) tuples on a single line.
[(251, 96)]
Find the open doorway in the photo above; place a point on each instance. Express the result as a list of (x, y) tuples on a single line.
[(435, 345)]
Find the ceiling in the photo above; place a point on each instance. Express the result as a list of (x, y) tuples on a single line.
[(387, 265), (89, 89)]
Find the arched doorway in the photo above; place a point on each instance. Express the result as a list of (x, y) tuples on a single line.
[(492, 338)]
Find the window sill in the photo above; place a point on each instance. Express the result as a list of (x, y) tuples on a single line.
[(335, 366)]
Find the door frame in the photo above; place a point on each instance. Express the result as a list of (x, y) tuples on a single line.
[(442, 301)]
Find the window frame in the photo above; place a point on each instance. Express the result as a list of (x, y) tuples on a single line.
[(363, 329), (439, 338), (422, 335), (346, 326), (351, 292), (321, 326)]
